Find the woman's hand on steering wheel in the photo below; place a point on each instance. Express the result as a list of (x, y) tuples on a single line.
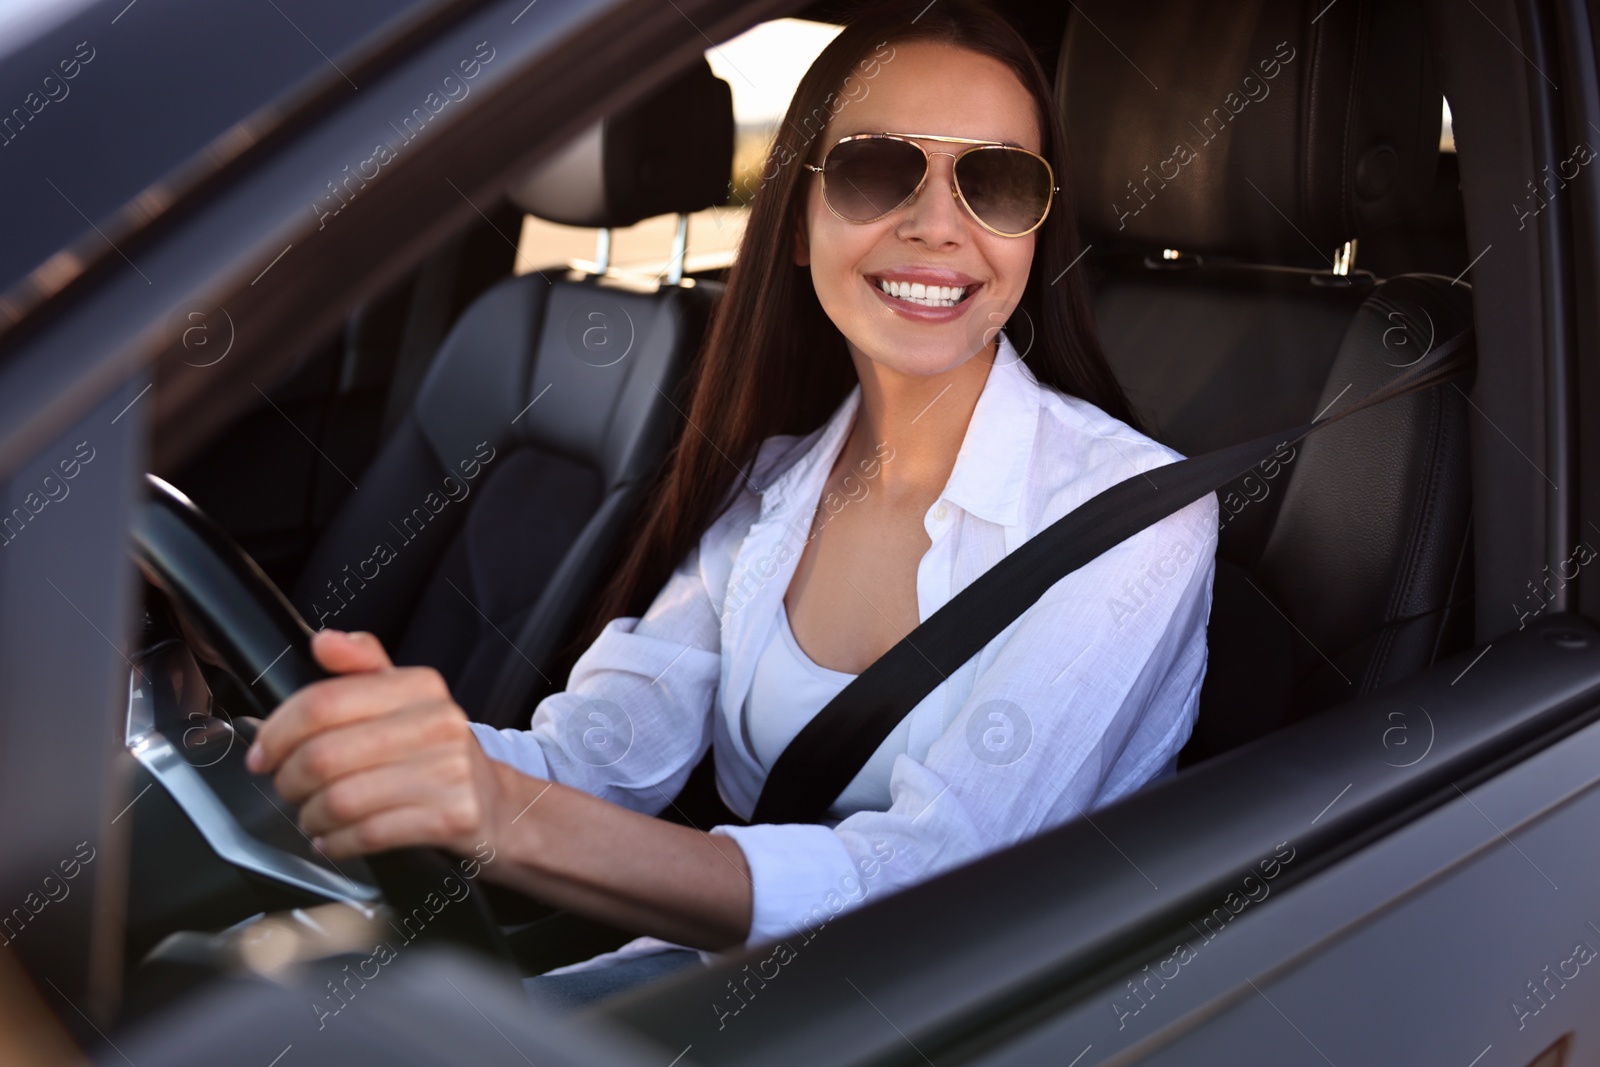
[(379, 756)]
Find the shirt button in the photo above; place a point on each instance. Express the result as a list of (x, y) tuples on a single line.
[(941, 513)]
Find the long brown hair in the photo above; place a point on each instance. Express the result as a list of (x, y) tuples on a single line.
[(773, 363)]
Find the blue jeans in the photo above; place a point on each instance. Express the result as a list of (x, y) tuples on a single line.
[(582, 988)]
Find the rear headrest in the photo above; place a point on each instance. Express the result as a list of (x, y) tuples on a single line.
[(671, 152), (1271, 129)]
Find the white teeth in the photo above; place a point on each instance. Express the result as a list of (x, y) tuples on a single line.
[(941, 296)]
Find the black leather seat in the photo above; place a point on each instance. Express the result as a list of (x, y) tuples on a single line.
[(490, 513), (1222, 154)]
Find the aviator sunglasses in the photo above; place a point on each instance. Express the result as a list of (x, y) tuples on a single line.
[(1007, 190)]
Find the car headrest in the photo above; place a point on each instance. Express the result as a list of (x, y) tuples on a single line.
[(1259, 128), (671, 152)]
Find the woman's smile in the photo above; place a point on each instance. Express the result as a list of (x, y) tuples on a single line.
[(924, 294)]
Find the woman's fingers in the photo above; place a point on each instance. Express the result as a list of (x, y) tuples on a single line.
[(378, 757), (336, 702), (417, 729), (349, 652), (357, 805), (395, 828)]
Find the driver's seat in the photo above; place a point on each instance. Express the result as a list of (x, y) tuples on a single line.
[(487, 518), (1215, 206)]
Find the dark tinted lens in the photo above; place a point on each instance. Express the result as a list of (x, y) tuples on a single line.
[(869, 178), (1008, 189)]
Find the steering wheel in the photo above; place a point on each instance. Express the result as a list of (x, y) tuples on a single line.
[(249, 624)]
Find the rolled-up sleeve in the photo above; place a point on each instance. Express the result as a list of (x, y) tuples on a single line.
[(635, 717), (1090, 694)]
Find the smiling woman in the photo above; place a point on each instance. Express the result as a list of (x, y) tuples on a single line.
[(870, 312)]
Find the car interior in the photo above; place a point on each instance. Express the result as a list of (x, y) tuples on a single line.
[(436, 468), (492, 519), (561, 484), (1221, 317)]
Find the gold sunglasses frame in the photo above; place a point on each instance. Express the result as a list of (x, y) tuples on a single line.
[(927, 160)]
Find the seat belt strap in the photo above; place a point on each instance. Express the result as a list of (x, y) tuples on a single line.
[(830, 750)]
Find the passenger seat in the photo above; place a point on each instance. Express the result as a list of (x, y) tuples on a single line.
[(1223, 155), (481, 529)]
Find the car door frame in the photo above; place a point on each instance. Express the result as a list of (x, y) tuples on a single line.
[(93, 348)]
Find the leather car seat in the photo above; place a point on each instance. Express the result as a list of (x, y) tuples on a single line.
[(488, 516), (1222, 156)]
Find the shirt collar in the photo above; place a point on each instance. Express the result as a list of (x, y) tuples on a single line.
[(991, 467)]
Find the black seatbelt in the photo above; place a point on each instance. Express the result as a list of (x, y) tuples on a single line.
[(831, 749)]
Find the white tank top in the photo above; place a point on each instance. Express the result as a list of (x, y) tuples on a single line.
[(786, 693)]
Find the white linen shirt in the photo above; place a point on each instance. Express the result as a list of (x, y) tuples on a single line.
[(1081, 700)]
